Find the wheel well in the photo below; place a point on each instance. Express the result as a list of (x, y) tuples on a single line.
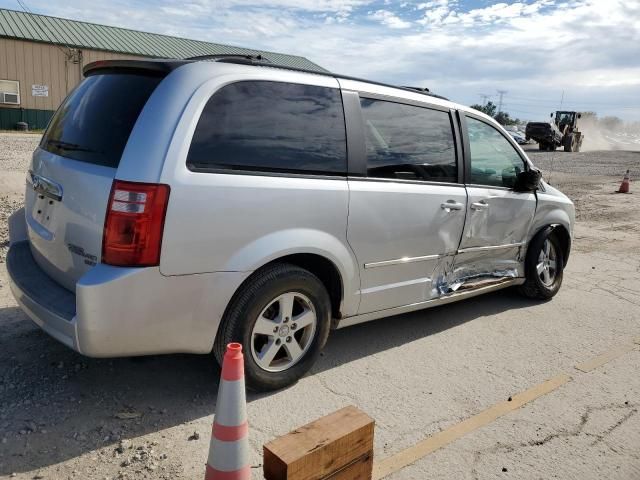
[(565, 241), (322, 268)]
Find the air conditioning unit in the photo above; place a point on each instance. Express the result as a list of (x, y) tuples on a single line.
[(10, 98)]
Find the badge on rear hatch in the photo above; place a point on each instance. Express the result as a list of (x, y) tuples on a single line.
[(78, 250)]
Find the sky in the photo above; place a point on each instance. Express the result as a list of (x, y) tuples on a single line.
[(583, 53)]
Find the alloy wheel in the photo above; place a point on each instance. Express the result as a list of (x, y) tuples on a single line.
[(283, 332), (547, 266)]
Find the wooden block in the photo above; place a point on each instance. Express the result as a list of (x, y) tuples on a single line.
[(361, 469), (331, 444)]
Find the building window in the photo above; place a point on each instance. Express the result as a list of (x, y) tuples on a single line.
[(10, 92)]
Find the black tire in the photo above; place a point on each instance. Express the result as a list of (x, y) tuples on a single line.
[(542, 146), (569, 143), (248, 304), (534, 286)]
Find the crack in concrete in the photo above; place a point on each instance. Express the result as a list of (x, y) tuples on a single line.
[(616, 295), (324, 384), (567, 433), (562, 434), (610, 430), (474, 463)]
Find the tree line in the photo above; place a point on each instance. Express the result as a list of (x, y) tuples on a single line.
[(491, 109)]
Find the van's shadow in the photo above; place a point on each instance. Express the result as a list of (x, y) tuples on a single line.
[(57, 404)]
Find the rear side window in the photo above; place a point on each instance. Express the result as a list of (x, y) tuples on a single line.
[(94, 123), (271, 127), (408, 142)]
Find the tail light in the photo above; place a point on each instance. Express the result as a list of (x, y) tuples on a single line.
[(134, 223)]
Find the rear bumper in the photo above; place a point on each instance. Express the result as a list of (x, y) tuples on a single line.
[(123, 311), (48, 304)]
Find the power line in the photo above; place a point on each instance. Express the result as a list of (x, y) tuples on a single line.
[(523, 111), (570, 106), (36, 17), (573, 102)]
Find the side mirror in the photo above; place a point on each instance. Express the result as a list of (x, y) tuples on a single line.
[(551, 115), (579, 115), (528, 181)]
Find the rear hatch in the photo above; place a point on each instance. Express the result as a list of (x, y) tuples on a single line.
[(72, 170)]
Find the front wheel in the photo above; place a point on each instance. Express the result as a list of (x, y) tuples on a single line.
[(543, 266), (569, 143), (281, 317)]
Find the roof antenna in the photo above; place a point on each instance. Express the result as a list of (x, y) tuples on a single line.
[(553, 155)]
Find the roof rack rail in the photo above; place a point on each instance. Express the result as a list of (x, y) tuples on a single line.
[(232, 58), (424, 90), (418, 89), (263, 62)]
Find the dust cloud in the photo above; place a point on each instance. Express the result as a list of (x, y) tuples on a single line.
[(598, 137)]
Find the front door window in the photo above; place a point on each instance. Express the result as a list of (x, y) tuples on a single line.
[(494, 161)]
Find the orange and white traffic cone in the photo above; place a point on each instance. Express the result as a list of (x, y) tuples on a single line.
[(624, 186), (229, 450)]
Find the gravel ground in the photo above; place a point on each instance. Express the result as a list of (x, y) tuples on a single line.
[(16, 150), (65, 416), (588, 178), (15, 155), (585, 164)]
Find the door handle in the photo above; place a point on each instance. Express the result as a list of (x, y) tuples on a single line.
[(451, 205), (481, 205)]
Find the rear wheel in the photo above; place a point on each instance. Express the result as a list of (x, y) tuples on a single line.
[(543, 266), (281, 317), (542, 146)]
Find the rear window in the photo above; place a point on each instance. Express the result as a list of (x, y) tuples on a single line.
[(271, 127), (94, 123)]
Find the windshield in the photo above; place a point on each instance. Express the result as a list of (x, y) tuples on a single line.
[(564, 117), (93, 124)]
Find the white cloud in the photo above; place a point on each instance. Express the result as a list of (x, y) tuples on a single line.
[(534, 49), (389, 19), (436, 11), (446, 11)]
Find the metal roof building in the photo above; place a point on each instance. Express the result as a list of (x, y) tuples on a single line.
[(41, 59)]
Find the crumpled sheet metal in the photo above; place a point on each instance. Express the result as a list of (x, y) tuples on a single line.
[(449, 278)]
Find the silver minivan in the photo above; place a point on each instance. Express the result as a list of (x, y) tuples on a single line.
[(178, 205)]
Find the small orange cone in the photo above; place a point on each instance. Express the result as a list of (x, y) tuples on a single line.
[(624, 186), (229, 449)]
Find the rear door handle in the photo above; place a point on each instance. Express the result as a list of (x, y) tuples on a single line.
[(451, 205), (481, 205)]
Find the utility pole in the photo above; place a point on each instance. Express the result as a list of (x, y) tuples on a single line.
[(502, 93), (484, 97)]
